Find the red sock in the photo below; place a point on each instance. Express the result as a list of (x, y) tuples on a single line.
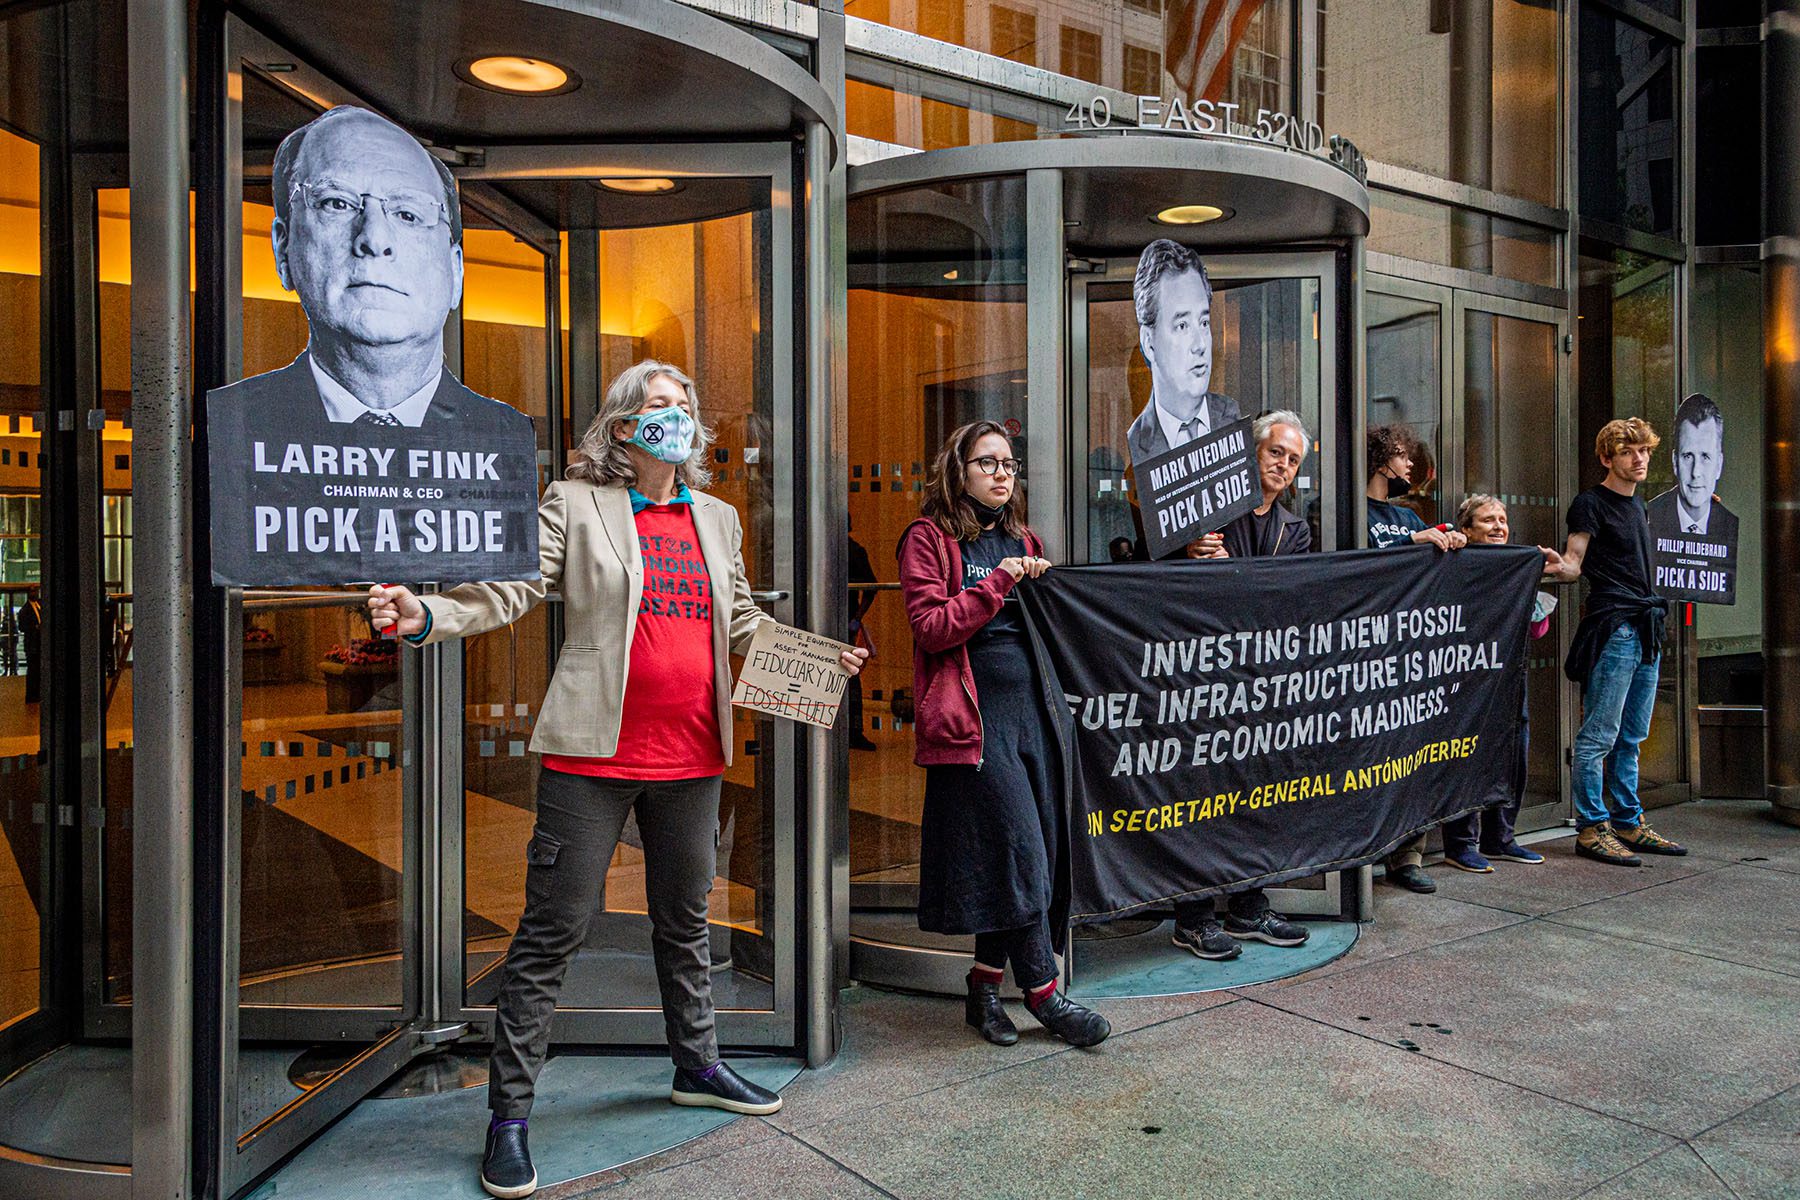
[(981, 974), (1036, 996)]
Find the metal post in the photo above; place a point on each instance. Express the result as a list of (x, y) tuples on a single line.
[(827, 599), (162, 719), (1045, 314), (584, 332), (1781, 401)]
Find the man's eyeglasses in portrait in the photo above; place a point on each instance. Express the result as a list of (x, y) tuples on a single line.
[(336, 203)]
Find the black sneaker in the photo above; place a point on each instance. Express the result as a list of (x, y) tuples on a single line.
[(1208, 941), (506, 1169), (1413, 879), (723, 1088), (1266, 926)]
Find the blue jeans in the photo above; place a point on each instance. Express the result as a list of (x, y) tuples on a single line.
[(1617, 701)]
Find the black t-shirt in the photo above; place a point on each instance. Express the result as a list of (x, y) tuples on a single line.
[(1391, 525), (981, 558), (1617, 562)]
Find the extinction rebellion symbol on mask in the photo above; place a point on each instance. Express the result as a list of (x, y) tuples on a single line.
[(654, 434)]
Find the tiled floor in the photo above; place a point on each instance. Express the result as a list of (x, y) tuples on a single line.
[(1580, 1031)]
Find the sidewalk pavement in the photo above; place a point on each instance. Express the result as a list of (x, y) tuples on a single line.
[(1563, 1030)]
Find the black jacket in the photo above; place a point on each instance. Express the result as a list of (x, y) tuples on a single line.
[(1286, 534)]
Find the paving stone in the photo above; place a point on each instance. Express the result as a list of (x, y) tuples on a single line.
[(1737, 913), (778, 1168), (1668, 1039), (1403, 923), (1731, 831), (1561, 881), (1240, 1101), (1675, 1174), (1758, 1152)]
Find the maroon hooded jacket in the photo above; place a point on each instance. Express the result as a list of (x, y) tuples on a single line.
[(947, 712)]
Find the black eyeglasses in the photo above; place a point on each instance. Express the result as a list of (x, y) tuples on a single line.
[(990, 465)]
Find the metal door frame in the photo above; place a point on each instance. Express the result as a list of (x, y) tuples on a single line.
[(1223, 266), (777, 1027), (1453, 470)]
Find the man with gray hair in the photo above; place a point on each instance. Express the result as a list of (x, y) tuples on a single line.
[(368, 233), (1266, 531)]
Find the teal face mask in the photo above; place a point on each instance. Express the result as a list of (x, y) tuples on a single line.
[(666, 434)]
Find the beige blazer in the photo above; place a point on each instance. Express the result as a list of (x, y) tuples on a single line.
[(588, 548)]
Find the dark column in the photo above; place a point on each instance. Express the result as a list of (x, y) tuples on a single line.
[(1781, 400)]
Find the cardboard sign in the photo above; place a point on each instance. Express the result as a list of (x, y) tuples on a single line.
[(1198, 487), (792, 673)]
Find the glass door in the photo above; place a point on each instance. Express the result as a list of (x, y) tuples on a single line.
[(685, 255)]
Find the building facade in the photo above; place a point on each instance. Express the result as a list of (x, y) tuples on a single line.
[(238, 827)]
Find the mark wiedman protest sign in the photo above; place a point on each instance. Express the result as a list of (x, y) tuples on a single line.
[(1260, 720)]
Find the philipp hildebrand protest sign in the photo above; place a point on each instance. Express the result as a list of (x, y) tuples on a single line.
[(1197, 487), (365, 459), (1695, 535), (1260, 720)]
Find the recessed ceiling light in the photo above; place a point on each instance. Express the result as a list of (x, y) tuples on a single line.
[(952, 274), (640, 187), (1191, 214), (519, 76)]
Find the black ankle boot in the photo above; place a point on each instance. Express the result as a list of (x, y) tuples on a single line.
[(1068, 1020), (983, 1010)]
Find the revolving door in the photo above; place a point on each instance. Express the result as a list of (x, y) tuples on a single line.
[(999, 285)]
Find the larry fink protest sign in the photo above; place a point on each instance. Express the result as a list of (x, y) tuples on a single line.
[(1260, 720), (365, 459)]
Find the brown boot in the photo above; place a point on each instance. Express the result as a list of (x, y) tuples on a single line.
[(1599, 843)]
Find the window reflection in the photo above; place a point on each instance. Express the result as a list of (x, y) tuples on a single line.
[(1629, 139)]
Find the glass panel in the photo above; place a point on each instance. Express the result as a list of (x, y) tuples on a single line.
[(1728, 138), (1629, 129), (937, 339), (1405, 374), (1242, 53), (1509, 450), (907, 118), (1726, 363), (696, 295), (1408, 227), (1265, 355), (1461, 89), (24, 782), (1627, 369)]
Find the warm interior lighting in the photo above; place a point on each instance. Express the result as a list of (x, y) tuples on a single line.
[(639, 187), (527, 76), (1190, 214), (952, 274)]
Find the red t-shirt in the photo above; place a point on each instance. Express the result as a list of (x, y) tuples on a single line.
[(670, 727)]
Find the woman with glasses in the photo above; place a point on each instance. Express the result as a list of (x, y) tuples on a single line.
[(994, 841)]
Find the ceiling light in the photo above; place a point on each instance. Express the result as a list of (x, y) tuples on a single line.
[(520, 76), (640, 187), (952, 274), (1191, 214)]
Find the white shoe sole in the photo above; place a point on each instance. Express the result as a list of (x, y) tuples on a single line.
[(1258, 936), (1451, 862), (506, 1193), (706, 1100)]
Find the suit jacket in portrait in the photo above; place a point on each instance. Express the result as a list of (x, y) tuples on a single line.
[(588, 548), (1665, 520), (1145, 438), (284, 404)]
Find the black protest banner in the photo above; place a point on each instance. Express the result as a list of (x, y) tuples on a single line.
[(1196, 488), (1258, 720), (297, 499)]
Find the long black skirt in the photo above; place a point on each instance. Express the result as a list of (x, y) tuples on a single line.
[(993, 843)]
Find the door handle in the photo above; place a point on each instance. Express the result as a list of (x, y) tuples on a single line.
[(768, 597)]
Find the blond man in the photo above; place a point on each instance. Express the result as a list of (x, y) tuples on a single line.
[(1617, 649)]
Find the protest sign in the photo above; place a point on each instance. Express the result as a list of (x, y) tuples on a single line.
[(1198, 487), (1253, 721), (1694, 536), (792, 673)]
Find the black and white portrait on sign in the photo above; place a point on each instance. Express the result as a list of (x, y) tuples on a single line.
[(365, 458), (1695, 535), (1173, 297)]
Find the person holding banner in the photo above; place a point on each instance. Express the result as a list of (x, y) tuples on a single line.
[(1482, 519), (1390, 462), (993, 854), (1267, 531), (1617, 650), (637, 719)]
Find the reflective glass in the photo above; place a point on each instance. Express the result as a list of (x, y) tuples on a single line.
[(1630, 129), (1728, 142), (1460, 89), (1405, 374), (1408, 227), (937, 339)]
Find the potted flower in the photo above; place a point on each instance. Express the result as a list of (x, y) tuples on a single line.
[(355, 672)]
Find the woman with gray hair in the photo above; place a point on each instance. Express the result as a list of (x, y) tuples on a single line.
[(637, 719)]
